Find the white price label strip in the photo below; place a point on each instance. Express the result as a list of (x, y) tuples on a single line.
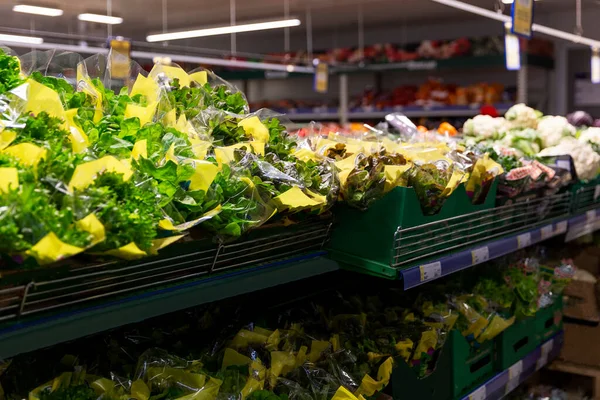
[(561, 227), (524, 240), (547, 232), (516, 370), (480, 255), (479, 394), (546, 349), (590, 216), (430, 271)]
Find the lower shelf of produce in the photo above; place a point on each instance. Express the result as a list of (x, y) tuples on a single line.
[(508, 380), (29, 334)]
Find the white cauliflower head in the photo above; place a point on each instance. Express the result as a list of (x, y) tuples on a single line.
[(587, 161), (553, 128), (520, 116), (590, 135), (484, 126)]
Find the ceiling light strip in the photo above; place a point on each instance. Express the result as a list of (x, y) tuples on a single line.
[(21, 39), (223, 30), (99, 18), (175, 57), (224, 63), (47, 11), (505, 18)]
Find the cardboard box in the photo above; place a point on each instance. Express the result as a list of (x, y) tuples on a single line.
[(581, 344), (581, 303)]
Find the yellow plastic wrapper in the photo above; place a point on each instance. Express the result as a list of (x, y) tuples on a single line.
[(344, 394), (317, 348), (171, 73), (144, 113), (28, 154), (294, 199), (244, 338), (404, 349), (85, 85), (225, 155), (85, 173), (282, 362), (369, 386), (40, 98), (428, 341), (255, 129), (9, 179), (79, 140), (207, 392), (496, 326), (148, 88), (7, 136), (50, 248)]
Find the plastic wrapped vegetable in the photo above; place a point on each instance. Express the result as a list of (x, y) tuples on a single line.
[(485, 127)]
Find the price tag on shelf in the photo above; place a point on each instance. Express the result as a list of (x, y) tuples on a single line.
[(561, 227), (515, 370), (547, 231), (590, 216), (480, 255), (546, 349), (479, 394), (431, 271), (564, 164), (514, 376), (596, 192), (524, 240)]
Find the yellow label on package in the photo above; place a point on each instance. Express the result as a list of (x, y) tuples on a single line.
[(522, 17)]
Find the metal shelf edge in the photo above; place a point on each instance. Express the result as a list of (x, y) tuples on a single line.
[(503, 383), (415, 276), (31, 335)]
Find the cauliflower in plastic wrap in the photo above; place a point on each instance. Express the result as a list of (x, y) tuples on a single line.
[(553, 128), (587, 161), (485, 127), (526, 142), (520, 116), (590, 135)]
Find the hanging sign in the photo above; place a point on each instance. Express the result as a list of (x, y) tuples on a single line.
[(321, 78), (595, 66), (120, 61), (512, 51), (522, 17)]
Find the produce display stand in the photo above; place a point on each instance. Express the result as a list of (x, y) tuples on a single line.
[(506, 381), (409, 111), (28, 334)]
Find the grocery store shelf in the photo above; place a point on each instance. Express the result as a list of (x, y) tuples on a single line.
[(479, 253), (409, 111), (484, 61), (572, 226), (34, 333), (583, 224), (506, 381)]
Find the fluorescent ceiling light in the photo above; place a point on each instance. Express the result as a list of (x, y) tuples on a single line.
[(47, 11), (511, 1), (20, 39), (259, 26), (101, 19)]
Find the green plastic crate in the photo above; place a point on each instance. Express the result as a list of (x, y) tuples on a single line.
[(515, 343), (365, 240), (459, 368), (585, 196), (548, 321)]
